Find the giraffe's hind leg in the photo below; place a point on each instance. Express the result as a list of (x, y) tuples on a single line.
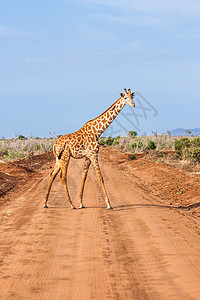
[(84, 176), (94, 160), (63, 178), (51, 179)]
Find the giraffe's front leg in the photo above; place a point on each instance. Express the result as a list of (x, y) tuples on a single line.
[(63, 178), (95, 163), (51, 179), (84, 176)]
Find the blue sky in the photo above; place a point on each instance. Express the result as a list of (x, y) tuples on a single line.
[(64, 62)]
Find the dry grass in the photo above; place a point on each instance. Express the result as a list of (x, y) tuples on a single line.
[(140, 144), (19, 148), (182, 152)]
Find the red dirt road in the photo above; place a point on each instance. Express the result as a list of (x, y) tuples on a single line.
[(142, 249)]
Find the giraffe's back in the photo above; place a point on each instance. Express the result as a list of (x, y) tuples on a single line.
[(77, 144)]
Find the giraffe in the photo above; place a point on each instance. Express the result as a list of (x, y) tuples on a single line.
[(84, 144)]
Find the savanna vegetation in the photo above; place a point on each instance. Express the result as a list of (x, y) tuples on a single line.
[(21, 147), (185, 148)]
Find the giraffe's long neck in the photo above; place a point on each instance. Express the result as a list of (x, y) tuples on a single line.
[(101, 123)]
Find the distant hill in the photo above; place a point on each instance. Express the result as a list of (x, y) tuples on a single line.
[(181, 131)]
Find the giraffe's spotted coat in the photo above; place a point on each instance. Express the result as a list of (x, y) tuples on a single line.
[(84, 143)]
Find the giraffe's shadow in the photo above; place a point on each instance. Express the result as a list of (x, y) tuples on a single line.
[(77, 209), (128, 207), (140, 205)]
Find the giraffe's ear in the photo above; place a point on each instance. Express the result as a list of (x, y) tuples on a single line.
[(133, 94), (122, 95)]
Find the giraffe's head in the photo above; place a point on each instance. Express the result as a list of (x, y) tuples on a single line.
[(128, 97)]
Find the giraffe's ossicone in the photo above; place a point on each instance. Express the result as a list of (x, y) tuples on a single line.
[(84, 144)]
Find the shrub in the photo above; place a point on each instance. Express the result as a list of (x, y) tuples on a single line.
[(116, 140), (196, 141), (132, 156), (133, 146), (109, 141), (162, 146), (182, 143), (132, 133), (21, 137), (4, 151), (140, 145), (177, 145), (12, 155), (181, 146), (37, 147), (188, 148), (102, 141), (151, 144), (195, 154)]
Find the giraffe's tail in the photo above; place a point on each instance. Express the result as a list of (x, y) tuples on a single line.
[(58, 150), (54, 150)]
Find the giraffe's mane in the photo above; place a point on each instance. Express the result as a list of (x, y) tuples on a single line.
[(103, 112)]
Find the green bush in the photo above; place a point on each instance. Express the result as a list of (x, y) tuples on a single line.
[(181, 146), (163, 146), (12, 155), (102, 141), (178, 147), (4, 151), (195, 154), (132, 133), (151, 144), (21, 137), (37, 147), (116, 140), (181, 143), (109, 141), (188, 148), (133, 146), (140, 145), (196, 141), (132, 156)]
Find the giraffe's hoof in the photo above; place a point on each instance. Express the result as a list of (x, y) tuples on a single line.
[(81, 206), (109, 207), (73, 207), (45, 206)]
